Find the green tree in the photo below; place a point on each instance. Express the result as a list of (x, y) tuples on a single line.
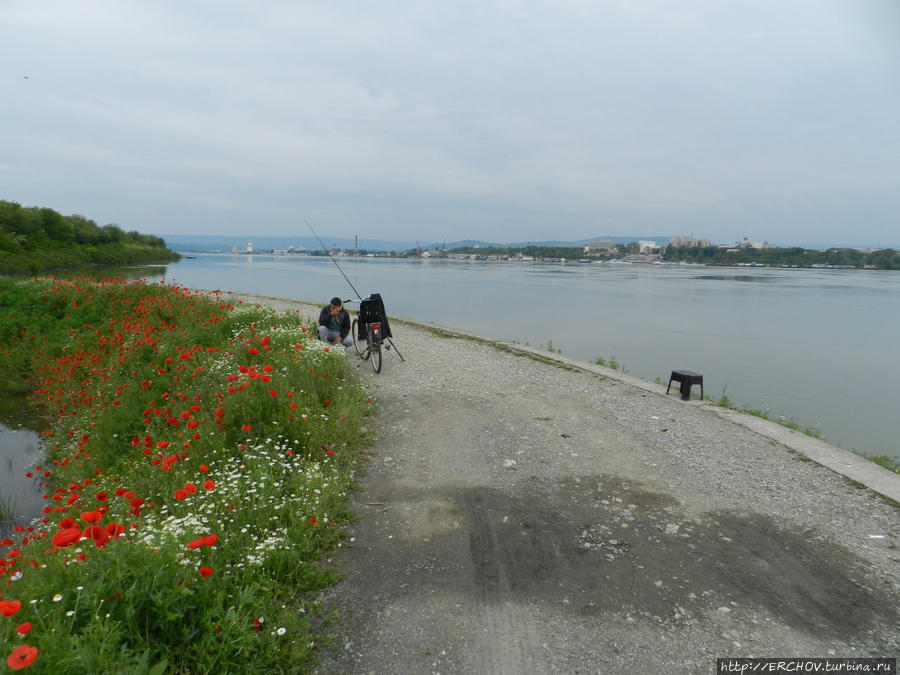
[(56, 227)]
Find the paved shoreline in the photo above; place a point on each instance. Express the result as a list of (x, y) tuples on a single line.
[(527, 513)]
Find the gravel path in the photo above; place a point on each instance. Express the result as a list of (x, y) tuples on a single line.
[(521, 517)]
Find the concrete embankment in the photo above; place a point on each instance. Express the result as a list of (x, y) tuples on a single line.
[(526, 513)]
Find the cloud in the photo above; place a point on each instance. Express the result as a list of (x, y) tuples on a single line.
[(656, 115)]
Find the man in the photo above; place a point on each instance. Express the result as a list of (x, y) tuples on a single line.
[(334, 324)]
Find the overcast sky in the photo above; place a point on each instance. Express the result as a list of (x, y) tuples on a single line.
[(500, 120)]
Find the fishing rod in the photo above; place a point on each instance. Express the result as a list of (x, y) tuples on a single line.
[(332, 259)]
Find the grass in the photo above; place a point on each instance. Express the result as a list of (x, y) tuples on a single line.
[(612, 363), (552, 349), (884, 461), (766, 414), (199, 459)]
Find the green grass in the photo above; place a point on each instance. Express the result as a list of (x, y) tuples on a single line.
[(884, 461), (219, 443), (611, 363)]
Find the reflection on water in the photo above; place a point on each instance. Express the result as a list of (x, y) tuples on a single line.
[(21, 497), (150, 272), (99, 273), (738, 277)]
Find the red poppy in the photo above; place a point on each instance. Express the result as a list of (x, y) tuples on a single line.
[(204, 468), (209, 485), (67, 537), (23, 628), (102, 496), (115, 530), (194, 543), (66, 523), (181, 494), (92, 516), (9, 607), (205, 571), (210, 539), (246, 427), (98, 534), (22, 657)]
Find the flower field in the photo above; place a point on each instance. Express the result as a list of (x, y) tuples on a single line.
[(199, 456)]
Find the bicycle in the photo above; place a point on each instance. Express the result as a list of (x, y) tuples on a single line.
[(370, 329)]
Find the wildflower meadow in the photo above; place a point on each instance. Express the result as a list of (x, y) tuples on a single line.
[(198, 459)]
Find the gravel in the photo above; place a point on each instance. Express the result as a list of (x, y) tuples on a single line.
[(522, 516)]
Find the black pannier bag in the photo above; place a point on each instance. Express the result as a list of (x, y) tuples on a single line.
[(371, 310)]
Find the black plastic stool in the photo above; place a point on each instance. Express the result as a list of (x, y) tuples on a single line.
[(687, 379)]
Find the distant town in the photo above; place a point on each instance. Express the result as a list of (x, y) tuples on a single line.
[(676, 251)]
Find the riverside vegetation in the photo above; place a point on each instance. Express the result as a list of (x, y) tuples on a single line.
[(199, 455), (883, 259), (38, 239)]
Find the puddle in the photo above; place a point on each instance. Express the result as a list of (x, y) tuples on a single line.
[(21, 498)]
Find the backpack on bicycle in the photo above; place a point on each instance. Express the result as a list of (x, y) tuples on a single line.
[(371, 310)]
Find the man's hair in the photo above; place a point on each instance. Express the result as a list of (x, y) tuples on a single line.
[(336, 302)]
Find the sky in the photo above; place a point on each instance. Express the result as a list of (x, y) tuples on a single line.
[(499, 120)]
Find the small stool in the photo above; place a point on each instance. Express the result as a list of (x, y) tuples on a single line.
[(687, 379)]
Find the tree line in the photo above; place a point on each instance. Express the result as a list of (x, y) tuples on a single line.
[(884, 259), (35, 239)]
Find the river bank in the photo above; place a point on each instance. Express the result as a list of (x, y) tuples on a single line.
[(525, 515)]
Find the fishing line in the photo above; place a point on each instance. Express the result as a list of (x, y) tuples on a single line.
[(332, 259)]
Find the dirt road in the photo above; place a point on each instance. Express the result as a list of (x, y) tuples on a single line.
[(519, 517)]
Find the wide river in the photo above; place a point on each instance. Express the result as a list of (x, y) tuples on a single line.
[(819, 347)]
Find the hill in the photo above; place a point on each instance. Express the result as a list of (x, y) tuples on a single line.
[(201, 243)]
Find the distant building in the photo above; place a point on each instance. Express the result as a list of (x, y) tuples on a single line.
[(599, 248), (647, 246), (690, 242), (249, 247), (599, 245), (746, 243)]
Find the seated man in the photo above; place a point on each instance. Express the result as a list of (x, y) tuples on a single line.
[(334, 324)]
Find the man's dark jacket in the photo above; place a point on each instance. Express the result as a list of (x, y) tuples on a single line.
[(343, 319)]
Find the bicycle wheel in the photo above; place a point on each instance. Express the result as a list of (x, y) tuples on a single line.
[(359, 352), (375, 349)]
